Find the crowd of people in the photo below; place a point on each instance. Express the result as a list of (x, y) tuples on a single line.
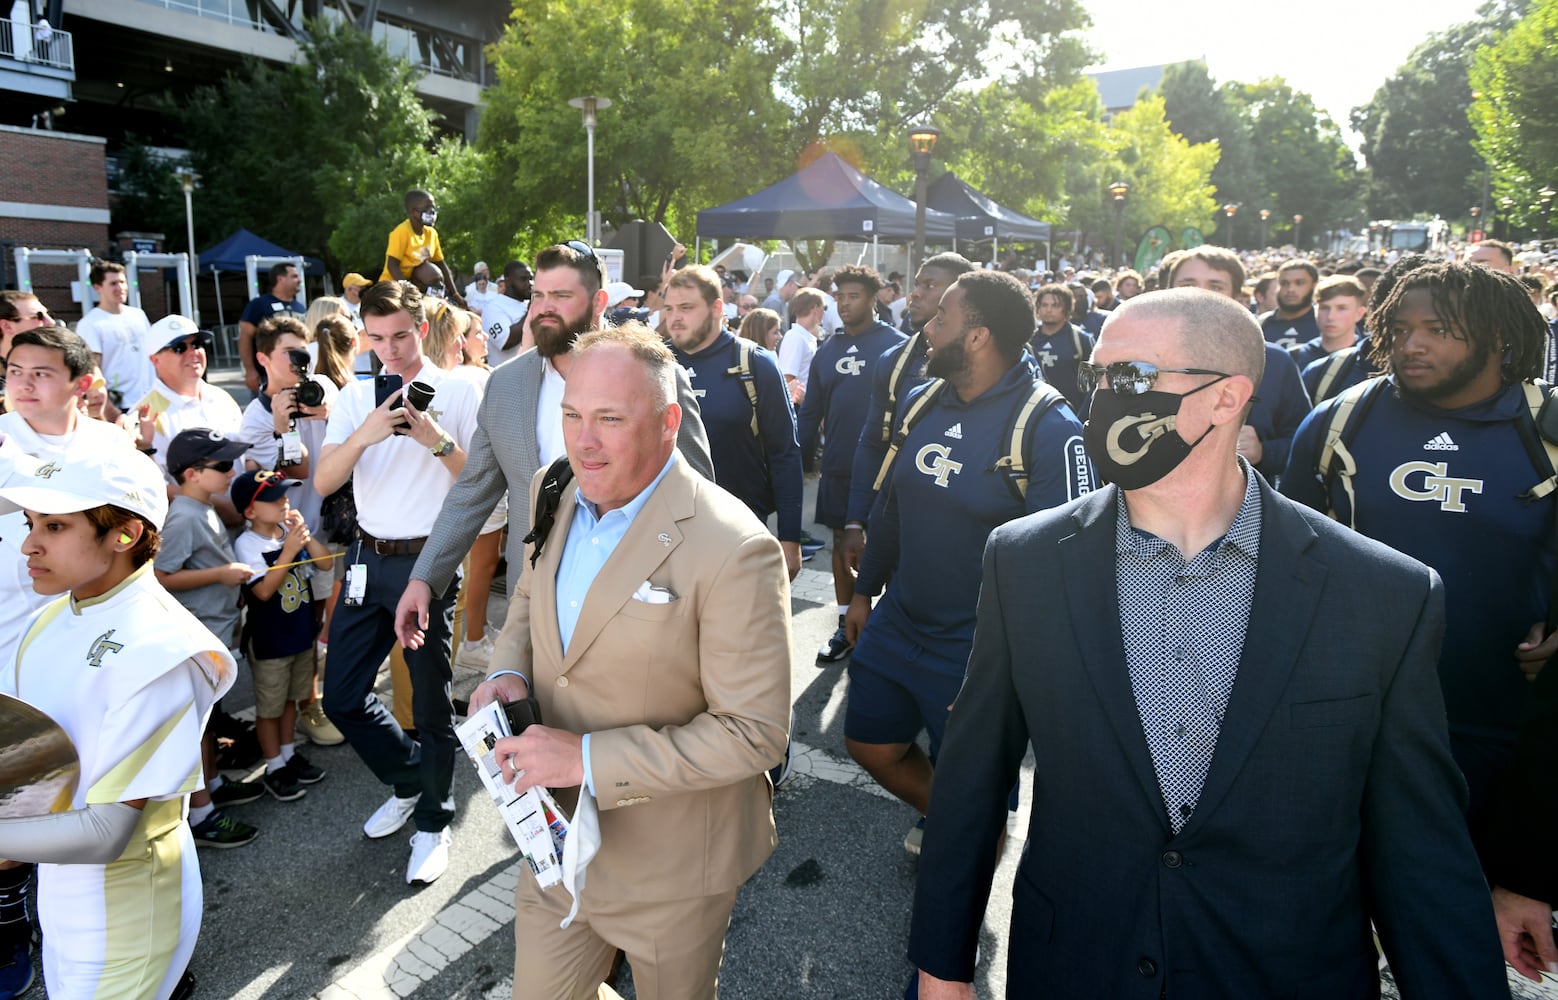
[(1191, 536)]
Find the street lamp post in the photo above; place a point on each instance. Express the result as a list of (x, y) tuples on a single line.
[(922, 140), (1298, 228), (590, 105), (1476, 210), (187, 179), (1265, 215), (1118, 190), (1230, 210), (1507, 204)]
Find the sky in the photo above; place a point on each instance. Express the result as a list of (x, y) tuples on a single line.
[(1338, 51)]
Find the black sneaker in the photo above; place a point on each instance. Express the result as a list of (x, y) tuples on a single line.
[(303, 770), (836, 648), (222, 831), (236, 793), (185, 989), (283, 784)]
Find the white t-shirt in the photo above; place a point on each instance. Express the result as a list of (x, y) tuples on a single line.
[(398, 485), (501, 314), (259, 429), (18, 601), (122, 341), (549, 416), (478, 300), (211, 407), (796, 348)]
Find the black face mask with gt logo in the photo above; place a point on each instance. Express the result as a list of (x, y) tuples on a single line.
[(1133, 440)]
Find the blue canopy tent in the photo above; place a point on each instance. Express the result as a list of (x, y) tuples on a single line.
[(827, 199), (229, 254), (980, 218)]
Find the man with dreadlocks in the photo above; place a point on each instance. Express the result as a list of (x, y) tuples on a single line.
[(1442, 460)]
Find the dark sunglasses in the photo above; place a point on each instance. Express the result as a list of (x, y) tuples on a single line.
[(582, 248), (226, 465), (1130, 378), (185, 346)]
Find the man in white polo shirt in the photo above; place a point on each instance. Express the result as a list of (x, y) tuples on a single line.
[(179, 398), (402, 462)]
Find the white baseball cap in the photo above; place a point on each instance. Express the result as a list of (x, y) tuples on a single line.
[(169, 330), (616, 291), (783, 278), (118, 477)]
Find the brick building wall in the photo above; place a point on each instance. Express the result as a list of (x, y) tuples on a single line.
[(53, 195)]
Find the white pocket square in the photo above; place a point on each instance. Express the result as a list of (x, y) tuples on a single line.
[(648, 593)]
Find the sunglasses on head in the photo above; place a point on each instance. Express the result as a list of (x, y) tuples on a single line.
[(1130, 378), (225, 465), (582, 248)]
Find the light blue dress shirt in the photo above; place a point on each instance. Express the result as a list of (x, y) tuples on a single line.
[(591, 541)]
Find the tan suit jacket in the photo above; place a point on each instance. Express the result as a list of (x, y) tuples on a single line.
[(687, 703)]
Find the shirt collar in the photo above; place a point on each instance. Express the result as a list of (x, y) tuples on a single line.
[(630, 510), (1243, 534)]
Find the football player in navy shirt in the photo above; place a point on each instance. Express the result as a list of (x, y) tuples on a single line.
[(1058, 344), (838, 395), (1280, 400), (1293, 322), (946, 492), (754, 452), (1445, 456), (932, 279), (1340, 303)]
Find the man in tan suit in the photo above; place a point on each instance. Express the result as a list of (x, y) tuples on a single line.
[(654, 631)]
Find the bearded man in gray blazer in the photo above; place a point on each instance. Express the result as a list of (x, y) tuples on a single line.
[(519, 429)]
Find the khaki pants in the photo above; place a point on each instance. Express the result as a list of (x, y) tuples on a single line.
[(675, 947)]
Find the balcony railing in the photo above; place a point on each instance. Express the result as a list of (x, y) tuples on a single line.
[(48, 48)]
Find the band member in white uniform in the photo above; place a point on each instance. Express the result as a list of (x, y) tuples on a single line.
[(130, 676)]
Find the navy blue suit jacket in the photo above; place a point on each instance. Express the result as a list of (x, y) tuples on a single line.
[(1331, 799)]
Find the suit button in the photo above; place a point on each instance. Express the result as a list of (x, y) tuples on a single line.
[(562, 682), (1147, 967), (1172, 859)]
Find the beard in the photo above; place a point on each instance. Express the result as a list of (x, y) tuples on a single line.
[(1458, 378), (949, 361), (1307, 302), (704, 333), (551, 343)]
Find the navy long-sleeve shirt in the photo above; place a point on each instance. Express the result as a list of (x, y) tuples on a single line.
[(872, 448), (1282, 405), (838, 394), (764, 474)]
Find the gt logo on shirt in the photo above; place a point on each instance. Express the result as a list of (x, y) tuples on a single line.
[(849, 366), (1437, 484), (1047, 358), (932, 460), (100, 647)]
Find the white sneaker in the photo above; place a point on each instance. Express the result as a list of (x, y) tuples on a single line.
[(429, 856), (476, 655), (389, 817)]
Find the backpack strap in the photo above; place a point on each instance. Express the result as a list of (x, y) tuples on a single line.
[(894, 379), (1542, 451), (1335, 457), (743, 371), (558, 475), (1076, 345), (1336, 369), (1039, 401), (921, 403)]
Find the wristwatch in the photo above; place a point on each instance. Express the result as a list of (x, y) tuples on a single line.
[(445, 446)]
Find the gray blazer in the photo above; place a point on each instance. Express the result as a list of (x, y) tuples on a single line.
[(504, 455)]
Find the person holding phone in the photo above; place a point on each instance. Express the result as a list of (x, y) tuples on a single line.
[(403, 459)]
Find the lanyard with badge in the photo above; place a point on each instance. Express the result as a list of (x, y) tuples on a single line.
[(356, 581)]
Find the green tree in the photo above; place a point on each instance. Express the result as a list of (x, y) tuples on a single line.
[(1201, 111), (1515, 114), (694, 120), (294, 151), (1305, 166), (1417, 139)]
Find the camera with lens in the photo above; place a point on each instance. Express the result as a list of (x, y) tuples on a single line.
[(307, 392)]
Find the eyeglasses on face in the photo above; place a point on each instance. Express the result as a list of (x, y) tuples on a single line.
[(1131, 378)]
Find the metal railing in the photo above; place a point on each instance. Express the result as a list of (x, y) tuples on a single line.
[(24, 43), (236, 12)]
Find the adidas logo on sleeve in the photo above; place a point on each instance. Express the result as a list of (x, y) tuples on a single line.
[(1441, 442)]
